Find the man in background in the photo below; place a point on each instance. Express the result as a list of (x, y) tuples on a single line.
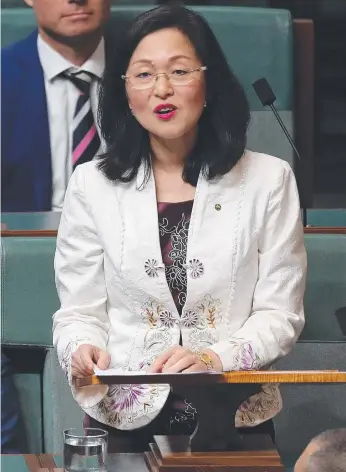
[(325, 453), (49, 102)]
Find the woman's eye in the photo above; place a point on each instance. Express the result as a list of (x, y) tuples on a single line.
[(144, 75), (180, 72)]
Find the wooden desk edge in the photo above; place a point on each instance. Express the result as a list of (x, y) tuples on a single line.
[(44, 233), (6, 233), (257, 377), (324, 230)]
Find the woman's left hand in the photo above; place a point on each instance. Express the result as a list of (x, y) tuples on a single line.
[(179, 359)]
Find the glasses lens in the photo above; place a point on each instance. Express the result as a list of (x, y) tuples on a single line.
[(142, 81), (183, 77), (180, 79)]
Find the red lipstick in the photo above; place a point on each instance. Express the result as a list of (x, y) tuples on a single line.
[(165, 111)]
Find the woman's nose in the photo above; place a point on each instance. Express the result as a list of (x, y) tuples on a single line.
[(163, 87)]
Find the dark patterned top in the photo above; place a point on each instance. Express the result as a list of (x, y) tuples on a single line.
[(178, 414), (174, 220)]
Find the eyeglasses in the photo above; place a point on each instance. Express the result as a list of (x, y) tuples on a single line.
[(146, 80)]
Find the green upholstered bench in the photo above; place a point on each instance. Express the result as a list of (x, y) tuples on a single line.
[(29, 299), (326, 286), (13, 463), (327, 217), (257, 42), (332, 218)]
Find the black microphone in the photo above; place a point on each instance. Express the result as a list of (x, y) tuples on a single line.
[(267, 97)]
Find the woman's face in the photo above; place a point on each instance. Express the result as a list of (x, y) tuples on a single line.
[(166, 110)]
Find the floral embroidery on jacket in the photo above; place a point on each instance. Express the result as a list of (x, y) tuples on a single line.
[(260, 407), (246, 358), (196, 268), (125, 397), (124, 403), (156, 315), (189, 319), (201, 338), (151, 311), (150, 267), (167, 319), (156, 342), (209, 310), (66, 358)]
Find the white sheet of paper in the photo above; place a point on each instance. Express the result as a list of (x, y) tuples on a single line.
[(110, 372)]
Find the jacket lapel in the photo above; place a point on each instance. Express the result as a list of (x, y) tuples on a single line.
[(142, 263), (213, 246)]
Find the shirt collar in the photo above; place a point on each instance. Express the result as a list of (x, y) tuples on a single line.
[(54, 63)]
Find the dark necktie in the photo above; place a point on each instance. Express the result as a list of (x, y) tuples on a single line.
[(85, 141)]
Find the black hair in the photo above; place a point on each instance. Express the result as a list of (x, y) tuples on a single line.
[(222, 127)]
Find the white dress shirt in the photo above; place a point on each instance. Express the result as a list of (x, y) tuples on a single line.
[(62, 98), (245, 266)]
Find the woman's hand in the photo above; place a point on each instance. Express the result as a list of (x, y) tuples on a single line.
[(84, 359), (180, 359)]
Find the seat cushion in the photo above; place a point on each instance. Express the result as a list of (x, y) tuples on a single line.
[(326, 286), (28, 296)]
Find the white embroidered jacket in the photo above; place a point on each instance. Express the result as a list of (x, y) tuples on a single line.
[(246, 266)]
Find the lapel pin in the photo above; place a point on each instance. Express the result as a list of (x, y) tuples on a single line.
[(218, 207)]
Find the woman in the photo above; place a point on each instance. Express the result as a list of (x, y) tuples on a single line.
[(178, 250)]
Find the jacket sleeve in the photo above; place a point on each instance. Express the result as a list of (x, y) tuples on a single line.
[(277, 315), (82, 317)]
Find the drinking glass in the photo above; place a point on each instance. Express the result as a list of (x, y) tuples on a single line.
[(85, 450)]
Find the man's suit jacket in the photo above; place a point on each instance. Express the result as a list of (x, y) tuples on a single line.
[(26, 170), (25, 149)]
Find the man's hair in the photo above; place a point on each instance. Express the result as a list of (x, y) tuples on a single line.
[(222, 127), (331, 454)]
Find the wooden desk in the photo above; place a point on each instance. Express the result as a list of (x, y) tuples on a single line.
[(216, 445), (50, 463)]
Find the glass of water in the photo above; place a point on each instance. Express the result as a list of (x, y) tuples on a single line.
[(85, 450)]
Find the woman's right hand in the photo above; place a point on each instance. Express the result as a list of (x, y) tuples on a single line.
[(84, 359)]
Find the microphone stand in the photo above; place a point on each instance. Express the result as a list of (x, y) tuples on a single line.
[(267, 97), (290, 140)]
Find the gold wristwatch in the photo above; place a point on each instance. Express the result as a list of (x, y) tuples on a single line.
[(206, 359)]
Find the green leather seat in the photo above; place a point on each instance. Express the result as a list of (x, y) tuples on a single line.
[(12, 463), (28, 300), (327, 217), (257, 42), (326, 286)]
